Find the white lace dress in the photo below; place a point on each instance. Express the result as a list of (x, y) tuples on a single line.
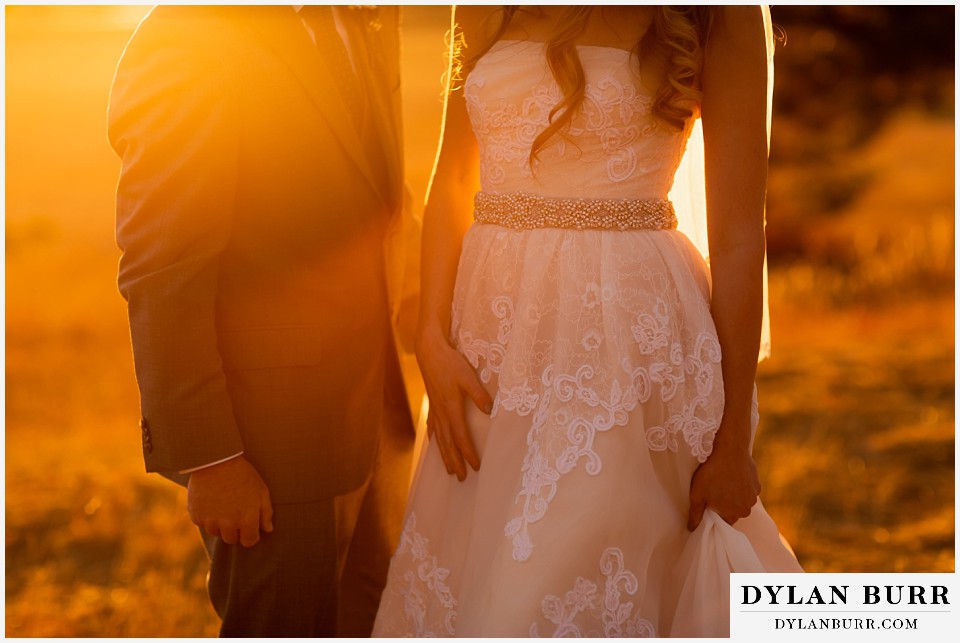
[(602, 357)]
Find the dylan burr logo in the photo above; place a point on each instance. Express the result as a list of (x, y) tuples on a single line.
[(860, 605), (872, 595)]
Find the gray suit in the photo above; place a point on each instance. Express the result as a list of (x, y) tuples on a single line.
[(259, 229)]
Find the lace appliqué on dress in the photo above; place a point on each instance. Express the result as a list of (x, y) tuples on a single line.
[(424, 581), (569, 409), (612, 128), (609, 609)]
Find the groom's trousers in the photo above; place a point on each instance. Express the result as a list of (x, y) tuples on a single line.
[(322, 570)]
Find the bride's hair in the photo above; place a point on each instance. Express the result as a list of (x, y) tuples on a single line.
[(677, 35)]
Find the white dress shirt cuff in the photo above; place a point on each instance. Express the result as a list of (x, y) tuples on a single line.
[(204, 466)]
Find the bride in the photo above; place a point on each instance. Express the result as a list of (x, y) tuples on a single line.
[(589, 471)]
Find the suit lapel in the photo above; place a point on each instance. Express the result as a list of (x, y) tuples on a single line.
[(392, 104), (282, 31), (373, 33)]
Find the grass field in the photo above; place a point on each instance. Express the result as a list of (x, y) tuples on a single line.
[(856, 447)]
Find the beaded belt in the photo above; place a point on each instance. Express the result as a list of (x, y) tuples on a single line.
[(523, 211)]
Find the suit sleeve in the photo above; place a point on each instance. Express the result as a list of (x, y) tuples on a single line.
[(173, 119), (402, 242)]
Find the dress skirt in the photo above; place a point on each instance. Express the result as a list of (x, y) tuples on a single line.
[(602, 358)]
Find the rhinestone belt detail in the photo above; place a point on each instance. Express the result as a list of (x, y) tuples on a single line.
[(522, 211)]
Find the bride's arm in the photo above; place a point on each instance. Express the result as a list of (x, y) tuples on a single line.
[(734, 112), (447, 215)]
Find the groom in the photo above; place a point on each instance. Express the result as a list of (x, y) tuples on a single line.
[(258, 211)]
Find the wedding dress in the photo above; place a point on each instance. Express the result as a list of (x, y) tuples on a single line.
[(599, 350)]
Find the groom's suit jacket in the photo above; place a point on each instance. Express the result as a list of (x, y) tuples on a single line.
[(259, 230)]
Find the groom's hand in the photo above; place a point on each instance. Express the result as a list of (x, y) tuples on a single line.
[(230, 500)]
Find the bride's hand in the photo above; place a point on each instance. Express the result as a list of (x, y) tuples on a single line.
[(727, 483), (449, 378)]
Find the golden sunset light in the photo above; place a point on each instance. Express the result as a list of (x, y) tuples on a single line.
[(855, 447)]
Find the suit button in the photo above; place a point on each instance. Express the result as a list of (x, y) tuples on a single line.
[(145, 436)]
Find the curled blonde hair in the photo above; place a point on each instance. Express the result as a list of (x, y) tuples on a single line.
[(677, 34)]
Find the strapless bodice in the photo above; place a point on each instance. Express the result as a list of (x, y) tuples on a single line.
[(614, 147)]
